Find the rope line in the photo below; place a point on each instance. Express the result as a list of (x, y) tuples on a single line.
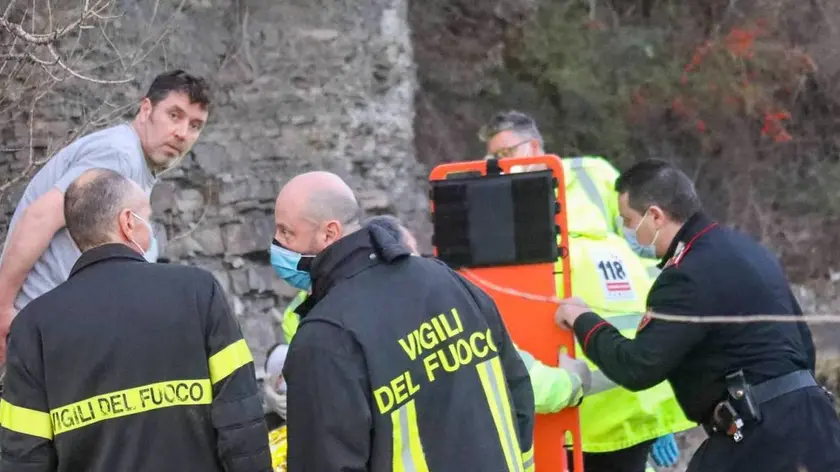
[(816, 318)]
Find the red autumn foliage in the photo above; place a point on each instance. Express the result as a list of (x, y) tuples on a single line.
[(739, 44)]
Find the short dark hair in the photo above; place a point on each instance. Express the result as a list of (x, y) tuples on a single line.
[(389, 223), (510, 120), (92, 203), (657, 182), (178, 81)]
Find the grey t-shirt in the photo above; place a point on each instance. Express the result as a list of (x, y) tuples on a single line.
[(116, 148)]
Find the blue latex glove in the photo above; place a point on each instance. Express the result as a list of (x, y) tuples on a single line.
[(665, 451)]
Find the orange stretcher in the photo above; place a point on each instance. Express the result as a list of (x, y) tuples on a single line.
[(529, 321)]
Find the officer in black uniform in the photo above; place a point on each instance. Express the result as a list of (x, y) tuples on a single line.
[(128, 365), (751, 385), (398, 363)]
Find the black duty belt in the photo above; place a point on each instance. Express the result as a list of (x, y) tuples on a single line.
[(744, 400), (775, 388)]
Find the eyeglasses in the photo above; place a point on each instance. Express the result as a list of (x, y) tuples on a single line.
[(506, 152)]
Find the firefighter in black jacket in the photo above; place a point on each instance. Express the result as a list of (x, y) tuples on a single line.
[(750, 385), (398, 363), (128, 366)]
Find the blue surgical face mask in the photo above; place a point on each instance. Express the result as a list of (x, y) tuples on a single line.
[(642, 250), (285, 263), (151, 254)]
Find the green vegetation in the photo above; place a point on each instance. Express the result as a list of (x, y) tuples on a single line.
[(728, 97)]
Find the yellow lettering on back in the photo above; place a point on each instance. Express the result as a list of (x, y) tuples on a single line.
[(428, 338), (403, 387), (490, 343), (130, 401), (445, 332), (384, 399), (474, 345), (431, 364), (450, 331), (409, 345), (462, 352), (398, 390), (444, 359), (438, 328)]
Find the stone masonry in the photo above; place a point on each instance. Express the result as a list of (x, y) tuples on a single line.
[(299, 86)]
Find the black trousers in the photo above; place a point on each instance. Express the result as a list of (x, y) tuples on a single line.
[(800, 431), (632, 459)]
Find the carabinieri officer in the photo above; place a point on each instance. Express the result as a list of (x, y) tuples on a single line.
[(750, 385)]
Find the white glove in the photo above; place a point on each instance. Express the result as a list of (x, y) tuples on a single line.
[(578, 367), (275, 401)]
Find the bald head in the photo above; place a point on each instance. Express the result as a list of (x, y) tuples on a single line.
[(313, 210), (322, 196), (96, 206)]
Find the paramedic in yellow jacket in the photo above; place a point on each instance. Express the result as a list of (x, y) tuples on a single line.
[(619, 428), (590, 180)]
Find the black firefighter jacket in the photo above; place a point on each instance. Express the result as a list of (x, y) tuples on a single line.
[(130, 366), (401, 364)]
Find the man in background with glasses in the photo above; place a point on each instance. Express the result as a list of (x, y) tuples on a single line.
[(606, 273)]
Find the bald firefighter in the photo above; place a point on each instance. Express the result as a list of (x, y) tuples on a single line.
[(274, 387), (398, 362)]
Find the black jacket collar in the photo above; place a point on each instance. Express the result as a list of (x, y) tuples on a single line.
[(104, 253), (697, 223), (348, 256)]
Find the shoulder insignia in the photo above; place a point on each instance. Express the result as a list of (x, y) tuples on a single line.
[(644, 321), (679, 252)]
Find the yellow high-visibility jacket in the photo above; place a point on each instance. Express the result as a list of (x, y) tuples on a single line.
[(614, 281)]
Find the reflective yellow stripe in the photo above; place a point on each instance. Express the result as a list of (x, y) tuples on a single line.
[(528, 460), (591, 190), (25, 421), (492, 381), (501, 384), (130, 402), (226, 361), (408, 450)]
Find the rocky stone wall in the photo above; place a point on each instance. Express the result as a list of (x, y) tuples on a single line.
[(300, 85)]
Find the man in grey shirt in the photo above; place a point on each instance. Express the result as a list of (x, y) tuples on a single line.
[(39, 253)]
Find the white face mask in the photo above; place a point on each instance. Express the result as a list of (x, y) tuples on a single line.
[(642, 250), (151, 254)]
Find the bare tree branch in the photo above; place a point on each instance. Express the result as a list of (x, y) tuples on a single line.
[(55, 35), (8, 8), (33, 163), (42, 56), (50, 40), (70, 71)]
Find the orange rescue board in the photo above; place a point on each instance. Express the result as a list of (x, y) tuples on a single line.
[(530, 322)]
